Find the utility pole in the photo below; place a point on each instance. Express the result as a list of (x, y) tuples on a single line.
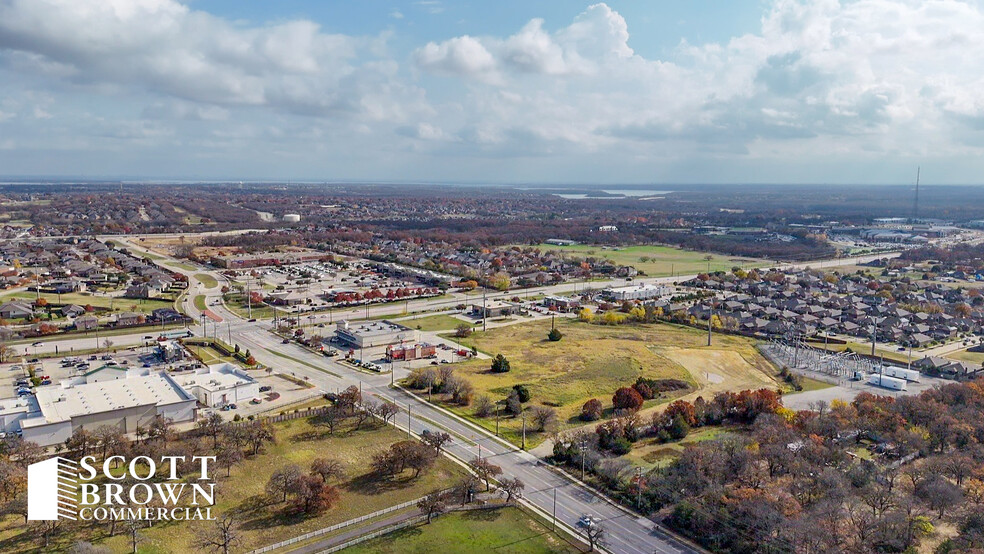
[(497, 419), (710, 316), (249, 299), (553, 523), (524, 431), (873, 337), (485, 313), (409, 421)]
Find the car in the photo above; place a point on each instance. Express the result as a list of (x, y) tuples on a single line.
[(46, 382), (107, 357), (285, 341), (34, 360), (586, 521), (233, 406), (253, 320), (445, 362), (93, 357), (901, 349), (38, 344), (255, 401), (225, 408), (265, 388), (434, 363)]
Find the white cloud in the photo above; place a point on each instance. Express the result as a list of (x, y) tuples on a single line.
[(858, 81)]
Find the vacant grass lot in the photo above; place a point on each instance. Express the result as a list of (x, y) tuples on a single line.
[(475, 532), (967, 356), (648, 453), (207, 280), (441, 322), (264, 522), (237, 304), (659, 260), (592, 361)]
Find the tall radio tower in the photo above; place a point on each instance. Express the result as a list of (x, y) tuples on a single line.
[(915, 201)]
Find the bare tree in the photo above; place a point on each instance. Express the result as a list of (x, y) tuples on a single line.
[(212, 426), (512, 487), (327, 469), (283, 481), (436, 440), (433, 504), (223, 535), (595, 534), (485, 470)]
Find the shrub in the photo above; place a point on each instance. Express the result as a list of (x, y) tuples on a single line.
[(523, 392), (621, 446), (644, 391), (484, 407), (679, 428), (591, 411), (555, 335), (500, 364), (626, 398)]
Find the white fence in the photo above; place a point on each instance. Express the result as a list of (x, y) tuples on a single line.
[(375, 534), (337, 526)]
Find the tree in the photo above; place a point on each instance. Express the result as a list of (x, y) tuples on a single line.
[(484, 406), (436, 440), (555, 335), (332, 418), (161, 428), (500, 281), (313, 495), (679, 428), (350, 398), (543, 418), (80, 442), (283, 481), (522, 392), (6, 351), (211, 426), (595, 534), (387, 410), (110, 439), (627, 398), (257, 433), (433, 504), (485, 470), (591, 410), (512, 487), (500, 364), (133, 527), (513, 405), (221, 535), (227, 455), (463, 330), (327, 469)]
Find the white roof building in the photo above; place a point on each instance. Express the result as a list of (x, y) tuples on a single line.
[(128, 399), (220, 384)]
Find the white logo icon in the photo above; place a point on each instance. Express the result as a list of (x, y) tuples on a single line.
[(52, 490)]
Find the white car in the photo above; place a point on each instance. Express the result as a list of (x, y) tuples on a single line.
[(586, 521)]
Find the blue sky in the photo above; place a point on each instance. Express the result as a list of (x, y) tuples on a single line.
[(782, 91)]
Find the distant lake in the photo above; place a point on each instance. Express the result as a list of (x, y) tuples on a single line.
[(614, 193)]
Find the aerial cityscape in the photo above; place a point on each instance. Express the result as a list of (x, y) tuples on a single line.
[(426, 276)]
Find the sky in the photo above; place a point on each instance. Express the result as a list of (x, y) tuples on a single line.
[(671, 91)]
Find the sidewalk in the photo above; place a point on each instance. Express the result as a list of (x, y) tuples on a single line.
[(341, 538)]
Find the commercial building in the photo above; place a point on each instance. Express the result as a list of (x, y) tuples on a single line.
[(374, 333), (126, 399), (493, 308), (220, 384), (242, 261), (410, 352), (638, 292)]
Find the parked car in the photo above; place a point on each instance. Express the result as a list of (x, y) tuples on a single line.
[(285, 341), (252, 320)]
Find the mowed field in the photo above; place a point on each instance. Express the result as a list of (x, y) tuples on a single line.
[(659, 261), (475, 532), (117, 304), (592, 361), (264, 521)]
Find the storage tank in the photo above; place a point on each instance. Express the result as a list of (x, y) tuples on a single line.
[(292, 218), (887, 382)]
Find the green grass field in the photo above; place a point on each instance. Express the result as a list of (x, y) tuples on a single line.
[(659, 260), (648, 453), (433, 323), (236, 303), (967, 356), (264, 522), (475, 532), (200, 302), (592, 361), (117, 304), (207, 280)]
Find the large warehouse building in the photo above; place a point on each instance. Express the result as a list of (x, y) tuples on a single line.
[(128, 400)]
